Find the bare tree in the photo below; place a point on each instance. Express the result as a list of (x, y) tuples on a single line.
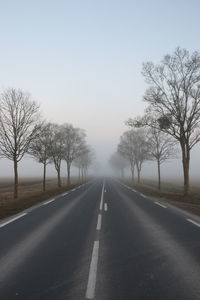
[(141, 149), (126, 149), (84, 160), (19, 116), (56, 149), (74, 144), (162, 147), (40, 148), (134, 147), (88, 159), (118, 163), (174, 101), (78, 164)]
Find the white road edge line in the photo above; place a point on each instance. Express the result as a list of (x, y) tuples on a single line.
[(143, 195), (193, 222), (12, 220), (160, 204), (99, 223), (47, 202), (105, 206), (90, 292), (64, 194), (101, 203)]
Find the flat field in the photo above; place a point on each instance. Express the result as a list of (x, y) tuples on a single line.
[(30, 193)]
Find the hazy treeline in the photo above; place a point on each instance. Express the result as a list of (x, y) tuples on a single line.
[(172, 114), (22, 131), (139, 145)]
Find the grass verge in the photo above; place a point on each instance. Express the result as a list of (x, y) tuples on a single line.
[(171, 193), (29, 195)]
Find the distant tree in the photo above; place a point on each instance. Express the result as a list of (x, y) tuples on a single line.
[(162, 148), (118, 163), (134, 147), (83, 161), (40, 148), (141, 149), (19, 116), (174, 101), (57, 148), (126, 149), (74, 143), (86, 160)]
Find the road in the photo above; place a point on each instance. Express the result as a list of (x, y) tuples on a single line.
[(101, 241)]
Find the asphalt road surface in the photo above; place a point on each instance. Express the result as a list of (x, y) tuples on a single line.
[(101, 241)]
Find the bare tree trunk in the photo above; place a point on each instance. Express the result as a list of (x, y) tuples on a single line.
[(16, 179), (82, 175), (159, 181), (85, 172), (79, 174), (138, 176), (186, 167), (59, 178), (68, 174), (138, 173), (132, 171), (44, 178)]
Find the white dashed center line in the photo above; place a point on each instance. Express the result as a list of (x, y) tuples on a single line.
[(99, 222), (105, 206), (101, 202), (90, 293)]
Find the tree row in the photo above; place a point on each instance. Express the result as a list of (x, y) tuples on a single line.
[(23, 132), (173, 98)]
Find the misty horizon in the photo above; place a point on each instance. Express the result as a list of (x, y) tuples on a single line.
[(83, 66)]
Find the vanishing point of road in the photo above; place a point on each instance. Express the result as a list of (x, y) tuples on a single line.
[(102, 241)]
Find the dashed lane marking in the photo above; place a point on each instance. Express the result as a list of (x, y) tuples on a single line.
[(193, 222), (90, 292), (101, 202), (99, 222), (64, 194), (143, 195), (47, 202), (163, 206), (12, 220)]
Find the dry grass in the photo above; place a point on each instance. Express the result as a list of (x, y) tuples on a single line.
[(30, 193), (171, 193)]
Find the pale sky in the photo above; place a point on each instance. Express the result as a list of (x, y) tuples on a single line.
[(82, 60)]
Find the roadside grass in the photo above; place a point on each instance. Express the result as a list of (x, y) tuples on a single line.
[(30, 193), (170, 192)]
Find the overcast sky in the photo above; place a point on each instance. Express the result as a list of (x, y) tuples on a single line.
[(82, 60)]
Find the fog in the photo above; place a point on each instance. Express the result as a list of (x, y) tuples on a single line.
[(170, 170), (82, 61)]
